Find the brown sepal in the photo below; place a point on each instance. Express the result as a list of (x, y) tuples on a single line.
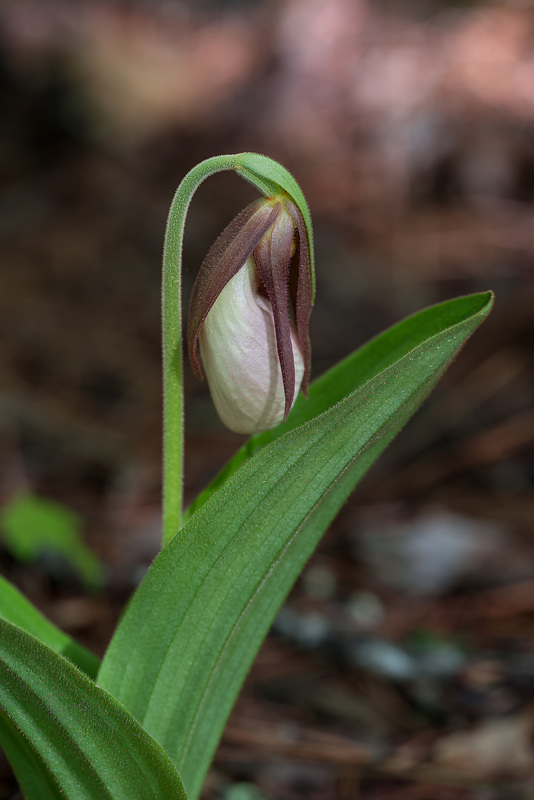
[(272, 257), (224, 260), (304, 301)]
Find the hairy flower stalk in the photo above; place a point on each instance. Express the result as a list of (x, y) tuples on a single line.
[(247, 329)]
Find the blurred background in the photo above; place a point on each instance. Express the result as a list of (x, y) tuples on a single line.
[(402, 665)]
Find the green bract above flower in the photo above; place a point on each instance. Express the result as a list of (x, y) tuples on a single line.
[(246, 324)]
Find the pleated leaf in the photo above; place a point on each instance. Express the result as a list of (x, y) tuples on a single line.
[(17, 609), (190, 633), (67, 738)]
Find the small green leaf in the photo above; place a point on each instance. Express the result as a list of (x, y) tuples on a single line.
[(190, 633), (32, 525), (67, 738), (19, 611), (243, 791)]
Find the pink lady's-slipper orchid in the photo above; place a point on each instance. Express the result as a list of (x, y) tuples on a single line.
[(247, 326)]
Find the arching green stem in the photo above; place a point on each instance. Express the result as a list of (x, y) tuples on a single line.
[(270, 178)]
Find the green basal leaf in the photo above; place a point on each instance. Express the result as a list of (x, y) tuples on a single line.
[(67, 738), (353, 371), (268, 177), (192, 629), (38, 782), (15, 608)]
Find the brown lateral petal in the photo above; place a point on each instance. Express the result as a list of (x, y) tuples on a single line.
[(224, 259), (304, 293), (272, 257)]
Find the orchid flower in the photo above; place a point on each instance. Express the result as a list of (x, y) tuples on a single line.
[(247, 328)]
